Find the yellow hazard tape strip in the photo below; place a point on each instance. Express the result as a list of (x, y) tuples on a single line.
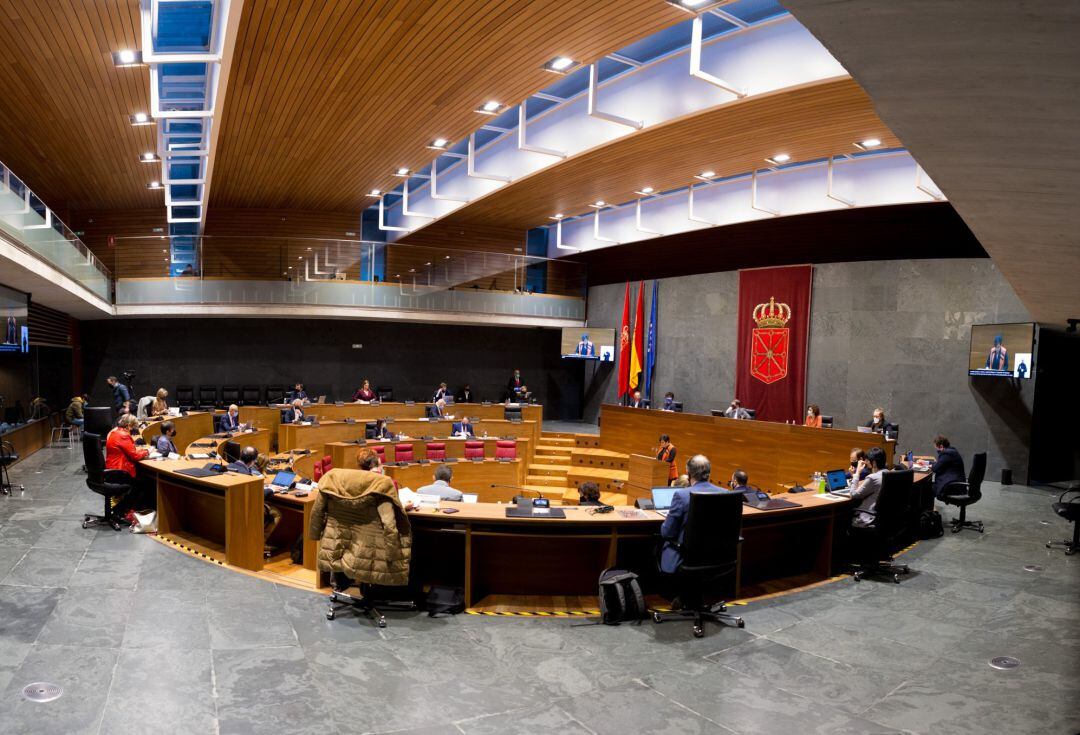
[(193, 552)]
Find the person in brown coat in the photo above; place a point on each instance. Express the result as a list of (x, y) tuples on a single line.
[(365, 533)]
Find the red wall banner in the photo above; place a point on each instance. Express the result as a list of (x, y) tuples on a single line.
[(774, 332)]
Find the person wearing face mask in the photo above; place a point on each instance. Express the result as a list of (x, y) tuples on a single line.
[(877, 423), (231, 420), (857, 456), (669, 402), (813, 416), (514, 385)]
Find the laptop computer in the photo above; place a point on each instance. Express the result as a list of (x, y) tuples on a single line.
[(762, 501), (836, 480), (864, 429), (282, 481), (322, 399), (661, 498)]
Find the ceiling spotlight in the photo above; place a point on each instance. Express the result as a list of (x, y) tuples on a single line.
[(865, 145), (402, 172), (140, 118), (561, 64), (645, 191), (599, 203), (556, 217), (149, 157), (779, 158), (374, 193), (491, 107), (707, 175), (695, 6), (439, 144), (127, 57), (154, 185)]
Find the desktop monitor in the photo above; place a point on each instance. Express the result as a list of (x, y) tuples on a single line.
[(1002, 350), (661, 497)]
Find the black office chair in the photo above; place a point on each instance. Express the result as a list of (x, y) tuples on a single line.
[(251, 395), (275, 394), (385, 393), (892, 431), (752, 412), (512, 413), (1070, 511), (8, 457), (710, 551), (97, 420), (230, 394), (185, 397), (208, 396), (232, 451), (826, 421), (108, 483), (873, 546), (963, 494)]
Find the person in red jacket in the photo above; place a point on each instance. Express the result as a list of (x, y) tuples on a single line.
[(120, 450)]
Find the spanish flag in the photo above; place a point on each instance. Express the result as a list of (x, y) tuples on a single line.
[(637, 351)]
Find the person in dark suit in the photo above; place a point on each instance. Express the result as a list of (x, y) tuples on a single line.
[(877, 422), (121, 394), (245, 465), (164, 443), (514, 385), (636, 401), (464, 394), (440, 393), (231, 420), (740, 482), (463, 428), (295, 414), (669, 402), (949, 466), (382, 431), (297, 393), (699, 469)]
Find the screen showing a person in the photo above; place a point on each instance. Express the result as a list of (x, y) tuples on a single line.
[(15, 333), (1002, 350), (588, 344)]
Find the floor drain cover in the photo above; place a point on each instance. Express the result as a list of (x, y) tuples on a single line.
[(1032, 568), (42, 691), (1004, 662)]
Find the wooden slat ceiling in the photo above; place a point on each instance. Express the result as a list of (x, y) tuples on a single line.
[(809, 122), (328, 97), (64, 124)]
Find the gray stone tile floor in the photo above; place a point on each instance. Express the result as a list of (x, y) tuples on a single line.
[(145, 639)]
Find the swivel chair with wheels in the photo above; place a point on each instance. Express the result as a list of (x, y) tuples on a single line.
[(185, 397), (963, 494), (8, 457), (1070, 511), (108, 483), (873, 547), (710, 552)]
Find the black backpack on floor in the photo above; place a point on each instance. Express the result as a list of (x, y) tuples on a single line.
[(930, 525), (620, 597)]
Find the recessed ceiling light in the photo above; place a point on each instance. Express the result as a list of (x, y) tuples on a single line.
[(374, 193), (779, 158), (707, 175), (598, 204), (439, 144), (561, 64), (556, 216), (865, 145), (127, 57), (695, 6), (140, 118), (402, 172), (154, 185), (491, 107), (149, 157), (645, 191)]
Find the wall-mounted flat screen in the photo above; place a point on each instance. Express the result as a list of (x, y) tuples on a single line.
[(588, 344), (1002, 350), (14, 329)]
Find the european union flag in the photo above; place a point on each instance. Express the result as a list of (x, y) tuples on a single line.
[(650, 343)]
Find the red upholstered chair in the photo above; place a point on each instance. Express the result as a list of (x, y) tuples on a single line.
[(474, 450), (436, 451), (318, 470), (327, 463), (380, 450), (403, 452), (505, 449)]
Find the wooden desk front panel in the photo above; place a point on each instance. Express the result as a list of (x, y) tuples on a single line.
[(31, 436), (192, 427), (469, 477), (769, 452), (260, 439), (294, 436), (344, 453), (373, 411), (263, 417)]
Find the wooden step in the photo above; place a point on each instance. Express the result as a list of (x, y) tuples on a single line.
[(545, 480), (554, 449), (610, 481), (600, 458), (548, 469), (553, 458), (562, 441), (587, 441)]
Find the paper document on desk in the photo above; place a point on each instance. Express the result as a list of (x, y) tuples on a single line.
[(199, 455), (832, 496), (632, 514), (407, 496)]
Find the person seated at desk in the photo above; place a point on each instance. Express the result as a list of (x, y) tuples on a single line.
[(865, 492), (381, 430), (73, 414), (164, 443), (683, 481), (669, 402), (464, 428), (699, 469), (160, 406), (246, 464), (364, 393), (877, 423), (297, 393), (440, 393), (295, 414), (736, 411), (231, 420), (666, 453), (948, 467), (437, 409), (121, 454), (636, 401), (740, 482), (813, 416), (524, 395), (857, 456), (441, 486), (464, 394), (363, 531), (589, 494)]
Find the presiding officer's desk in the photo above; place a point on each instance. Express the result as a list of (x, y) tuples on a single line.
[(312, 436), (389, 409), (343, 454)]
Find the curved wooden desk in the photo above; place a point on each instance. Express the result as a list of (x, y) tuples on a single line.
[(189, 427), (311, 436), (258, 438)]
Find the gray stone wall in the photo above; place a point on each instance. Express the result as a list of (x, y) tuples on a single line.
[(882, 333)]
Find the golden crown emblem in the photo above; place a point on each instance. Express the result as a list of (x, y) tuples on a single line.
[(772, 314)]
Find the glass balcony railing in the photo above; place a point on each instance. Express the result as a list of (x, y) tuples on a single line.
[(250, 270), (30, 224)]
